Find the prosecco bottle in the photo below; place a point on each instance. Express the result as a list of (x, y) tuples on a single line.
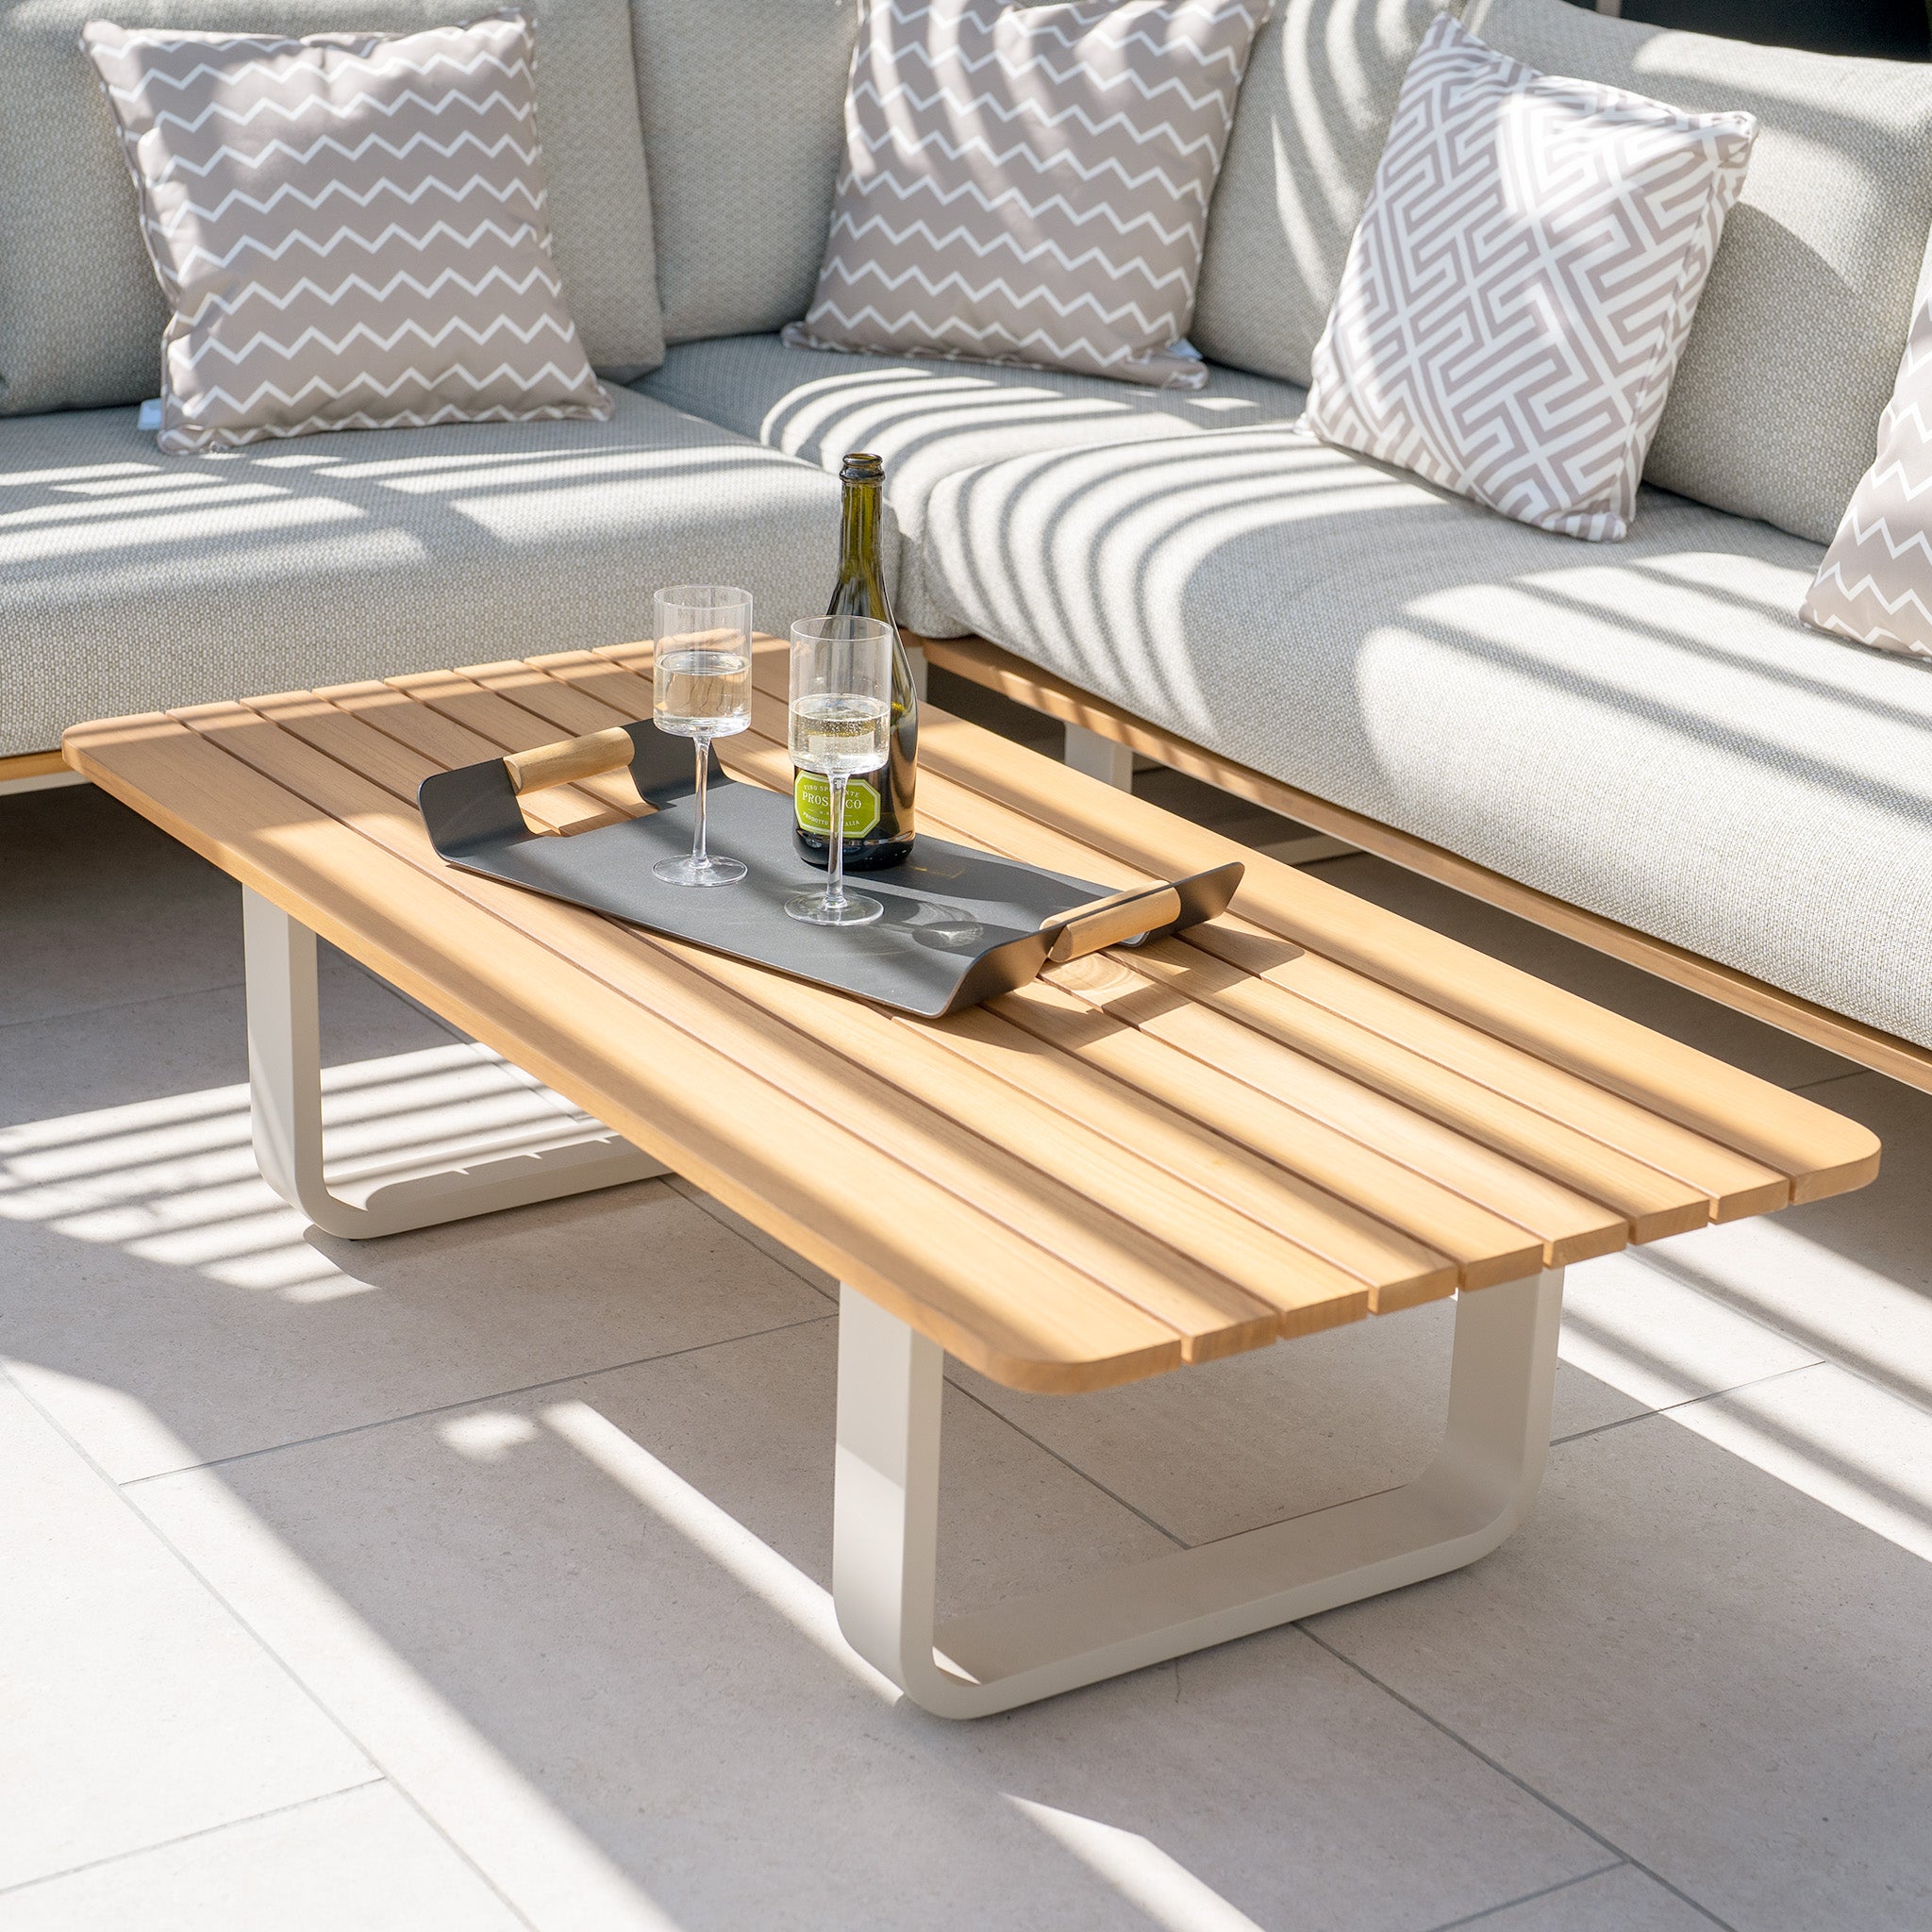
[(878, 805)]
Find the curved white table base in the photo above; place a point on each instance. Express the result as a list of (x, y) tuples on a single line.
[(1474, 1493), (285, 1084)]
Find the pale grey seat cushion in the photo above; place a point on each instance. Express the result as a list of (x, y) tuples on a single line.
[(929, 419), (131, 581), (1773, 410), (80, 312), (1645, 730), (743, 111), (1314, 113)]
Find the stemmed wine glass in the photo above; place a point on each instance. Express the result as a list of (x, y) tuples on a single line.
[(701, 690), (842, 713)]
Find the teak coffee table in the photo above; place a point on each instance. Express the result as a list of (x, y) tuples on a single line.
[(1306, 1112)]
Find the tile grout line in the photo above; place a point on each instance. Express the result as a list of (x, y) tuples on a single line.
[(691, 1192), (1509, 1905), (1692, 1401), (467, 1401), (302, 1686), (1503, 1771), (152, 999), (1854, 1072), (163, 1844), (1047, 1449)]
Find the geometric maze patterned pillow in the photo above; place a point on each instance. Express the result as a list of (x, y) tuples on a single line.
[(1030, 184), (1518, 293), (1876, 583), (349, 229)]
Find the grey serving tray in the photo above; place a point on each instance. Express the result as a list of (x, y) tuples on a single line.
[(959, 926)]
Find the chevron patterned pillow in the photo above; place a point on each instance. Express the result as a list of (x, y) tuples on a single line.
[(1030, 184), (1517, 296), (349, 230), (1876, 583)]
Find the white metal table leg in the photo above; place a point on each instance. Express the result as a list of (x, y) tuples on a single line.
[(1100, 757), (285, 1083), (1474, 1493)]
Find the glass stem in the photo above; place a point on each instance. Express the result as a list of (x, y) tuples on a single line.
[(699, 855), (835, 856)]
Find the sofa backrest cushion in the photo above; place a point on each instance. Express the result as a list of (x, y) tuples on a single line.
[(744, 127), (81, 314), (1774, 408), (1314, 112)]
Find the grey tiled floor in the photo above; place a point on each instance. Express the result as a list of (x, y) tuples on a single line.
[(477, 1578)]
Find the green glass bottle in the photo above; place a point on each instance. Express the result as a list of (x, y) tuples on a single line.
[(879, 806)]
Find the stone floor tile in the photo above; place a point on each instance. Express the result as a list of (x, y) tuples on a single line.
[(133, 1708), (1851, 1277), (101, 907), (1375, 1818), (363, 1861), (1718, 1672), (1684, 1015), (589, 1632), (826, 1284), (1855, 1447), (1632, 1325), (1621, 1900), (159, 1345), (142, 1051), (1234, 1444)]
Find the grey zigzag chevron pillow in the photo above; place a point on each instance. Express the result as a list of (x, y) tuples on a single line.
[(1030, 184), (349, 229), (1876, 583), (1519, 291)]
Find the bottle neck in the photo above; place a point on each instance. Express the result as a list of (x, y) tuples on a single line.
[(858, 553)]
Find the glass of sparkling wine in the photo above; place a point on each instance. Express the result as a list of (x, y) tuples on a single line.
[(842, 713), (701, 690)]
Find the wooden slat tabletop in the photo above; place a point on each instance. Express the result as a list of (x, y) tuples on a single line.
[(1306, 1112)]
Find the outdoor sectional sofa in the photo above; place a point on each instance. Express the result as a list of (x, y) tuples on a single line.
[(1635, 742)]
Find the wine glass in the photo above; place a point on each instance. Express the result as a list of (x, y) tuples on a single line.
[(701, 690), (841, 714)]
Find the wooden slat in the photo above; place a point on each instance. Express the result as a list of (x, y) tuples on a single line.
[(1481, 1239), (491, 714), (31, 764), (1652, 1201), (1823, 1152), (1217, 1167), (1213, 1316), (1886, 1052), (948, 1271), (397, 715), (1324, 1264), (1272, 985), (1487, 1249), (1734, 1185), (1569, 1225)]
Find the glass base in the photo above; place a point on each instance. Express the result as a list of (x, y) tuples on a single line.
[(699, 871), (859, 910)]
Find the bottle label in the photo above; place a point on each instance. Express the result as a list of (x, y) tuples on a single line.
[(811, 799)]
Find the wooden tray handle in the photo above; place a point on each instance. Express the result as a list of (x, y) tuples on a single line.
[(1121, 916), (565, 762)]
